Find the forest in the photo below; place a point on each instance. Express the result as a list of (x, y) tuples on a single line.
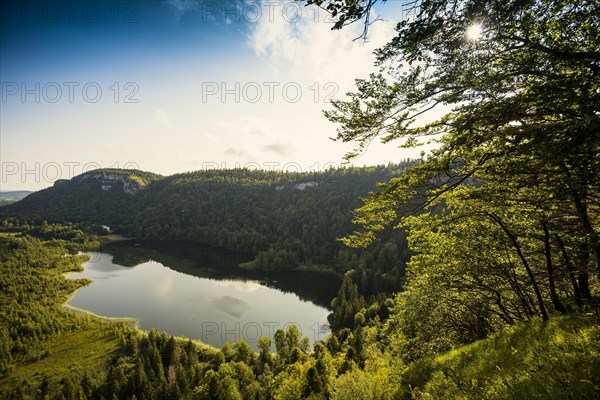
[(471, 273), (280, 218), (48, 352)]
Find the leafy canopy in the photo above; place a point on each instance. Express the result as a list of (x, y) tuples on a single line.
[(526, 86)]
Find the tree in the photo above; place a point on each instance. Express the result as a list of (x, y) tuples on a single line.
[(265, 357), (243, 352), (509, 93), (372, 383), (292, 336), (281, 345), (347, 303)]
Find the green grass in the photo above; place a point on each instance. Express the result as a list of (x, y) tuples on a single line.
[(559, 359), (69, 355)]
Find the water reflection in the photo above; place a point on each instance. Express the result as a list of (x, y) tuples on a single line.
[(199, 292), (221, 264)]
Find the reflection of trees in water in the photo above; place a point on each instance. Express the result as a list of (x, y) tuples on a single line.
[(307, 286), (175, 255), (211, 262), (127, 258)]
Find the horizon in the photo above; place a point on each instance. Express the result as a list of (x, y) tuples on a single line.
[(237, 168), (176, 86)]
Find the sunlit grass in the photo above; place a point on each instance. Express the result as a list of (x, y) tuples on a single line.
[(69, 355), (557, 359)]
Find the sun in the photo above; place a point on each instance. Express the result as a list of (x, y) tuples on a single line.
[(474, 32)]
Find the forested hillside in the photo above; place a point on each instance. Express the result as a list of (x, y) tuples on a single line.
[(289, 221), (49, 353)]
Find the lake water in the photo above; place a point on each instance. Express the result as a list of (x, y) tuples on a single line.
[(199, 292)]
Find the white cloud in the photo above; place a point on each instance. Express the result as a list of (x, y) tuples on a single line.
[(245, 127), (238, 286), (249, 138), (245, 139), (311, 50), (217, 131), (281, 149), (162, 118), (238, 153), (163, 289)]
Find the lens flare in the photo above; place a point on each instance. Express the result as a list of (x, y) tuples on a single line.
[(474, 32)]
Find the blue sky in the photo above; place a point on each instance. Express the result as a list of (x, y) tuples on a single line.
[(173, 86)]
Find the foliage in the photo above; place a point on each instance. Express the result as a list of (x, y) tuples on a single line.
[(503, 214), (530, 360), (289, 220), (53, 354), (345, 306), (38, 341)]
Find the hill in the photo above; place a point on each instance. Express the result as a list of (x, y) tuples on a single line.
[(87, 197), (11, 196), (289, 220)]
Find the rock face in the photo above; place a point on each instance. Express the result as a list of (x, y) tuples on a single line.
[(108, 181), (298, 186), (304, 185)]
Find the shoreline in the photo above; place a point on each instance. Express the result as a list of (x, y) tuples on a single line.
[(113, 238), (132, 323)]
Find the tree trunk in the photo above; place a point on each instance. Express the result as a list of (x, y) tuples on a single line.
[(579, 199), (515, 242), (583, 276), (547, 251), (516, 287), (570, 270), (589, 230)]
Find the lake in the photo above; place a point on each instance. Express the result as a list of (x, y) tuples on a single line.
[(199, 292)]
